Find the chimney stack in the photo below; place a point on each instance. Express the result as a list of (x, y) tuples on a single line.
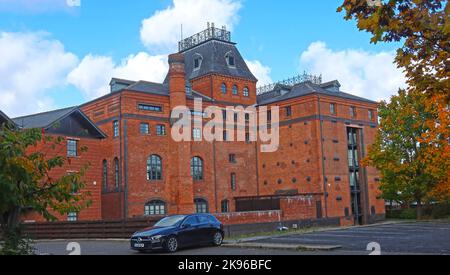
[(181, 184), (177, 80)]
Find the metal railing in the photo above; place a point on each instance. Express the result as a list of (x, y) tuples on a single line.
[(316, 79), (210, 33)]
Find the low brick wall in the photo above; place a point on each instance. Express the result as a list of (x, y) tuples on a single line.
[(299, 211), (249, 217)]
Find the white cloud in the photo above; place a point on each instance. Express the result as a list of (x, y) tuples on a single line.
[(30, 65), (261, 72), (370, 75), (93, 74), (162, 30), (38, 6)]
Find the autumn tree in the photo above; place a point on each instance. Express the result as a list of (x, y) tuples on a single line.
[(26, 184), (422, 29), (398, 154)]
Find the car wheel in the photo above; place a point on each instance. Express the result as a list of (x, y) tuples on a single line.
[(172, 244), (218, 239)]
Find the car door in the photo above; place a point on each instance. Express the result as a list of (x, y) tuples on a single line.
[(206, 229), (189, 232)]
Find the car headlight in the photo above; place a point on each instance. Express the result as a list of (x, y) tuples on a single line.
[(156, 238)]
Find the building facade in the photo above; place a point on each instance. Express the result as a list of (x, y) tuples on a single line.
[(141, 171)]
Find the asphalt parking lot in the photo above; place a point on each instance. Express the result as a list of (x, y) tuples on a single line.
[(399, 238), (402, 238)]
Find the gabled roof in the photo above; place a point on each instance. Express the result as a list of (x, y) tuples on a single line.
[(281, 93), (47, 120)]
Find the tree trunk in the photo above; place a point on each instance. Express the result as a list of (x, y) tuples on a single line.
[(419, 209)]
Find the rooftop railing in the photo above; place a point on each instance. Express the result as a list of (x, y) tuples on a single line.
[(316, 79), (210, 33)]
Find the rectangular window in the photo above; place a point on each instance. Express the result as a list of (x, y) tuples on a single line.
[(288, 111), (232, 158), (370, 114), (161, 130), (72, 217), (150, 108), (333, 109), (233, 181), (145, 129), (352, 112), (247, 137), (269, 115), (224, 114), (225, 206), (197, 134), (72, 148), (225, 136), (116, 128), (196, 63)]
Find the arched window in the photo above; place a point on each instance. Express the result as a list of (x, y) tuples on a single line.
[(223, 88), (116, 173), (197, 168), (155, 208), (225, 206), (235, 90), (154, 168), (201, 206), (105, 174), (246, 92)]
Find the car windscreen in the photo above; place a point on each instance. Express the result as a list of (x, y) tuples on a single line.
[(170, 221)]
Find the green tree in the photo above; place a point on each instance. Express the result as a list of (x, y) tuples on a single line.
[(397, 152), (423, 29), (26, 184)]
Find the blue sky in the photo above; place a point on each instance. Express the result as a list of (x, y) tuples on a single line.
[(129, 38)]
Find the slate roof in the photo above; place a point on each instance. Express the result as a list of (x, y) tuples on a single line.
[(213, 53), (283, 92), (47, 119)]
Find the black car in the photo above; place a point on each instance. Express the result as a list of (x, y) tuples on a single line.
[(174, 232)]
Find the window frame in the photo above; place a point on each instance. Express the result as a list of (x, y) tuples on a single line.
[(154, 168), (105, 174), (161, 130), (147, 125), (225, 206), (116, 131), (159, 208), (235, 90), (233, 181), (246, 92), (333, 109), (72, 217), (116, 173), (201, 204), (72, 148), (197, 168)]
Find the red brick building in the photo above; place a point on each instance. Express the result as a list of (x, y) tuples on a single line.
[(139, 170)]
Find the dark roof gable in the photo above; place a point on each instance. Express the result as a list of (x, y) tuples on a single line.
[(69, 121)]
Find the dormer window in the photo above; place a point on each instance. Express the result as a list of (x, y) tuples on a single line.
[(230, 60), (197, 62)]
